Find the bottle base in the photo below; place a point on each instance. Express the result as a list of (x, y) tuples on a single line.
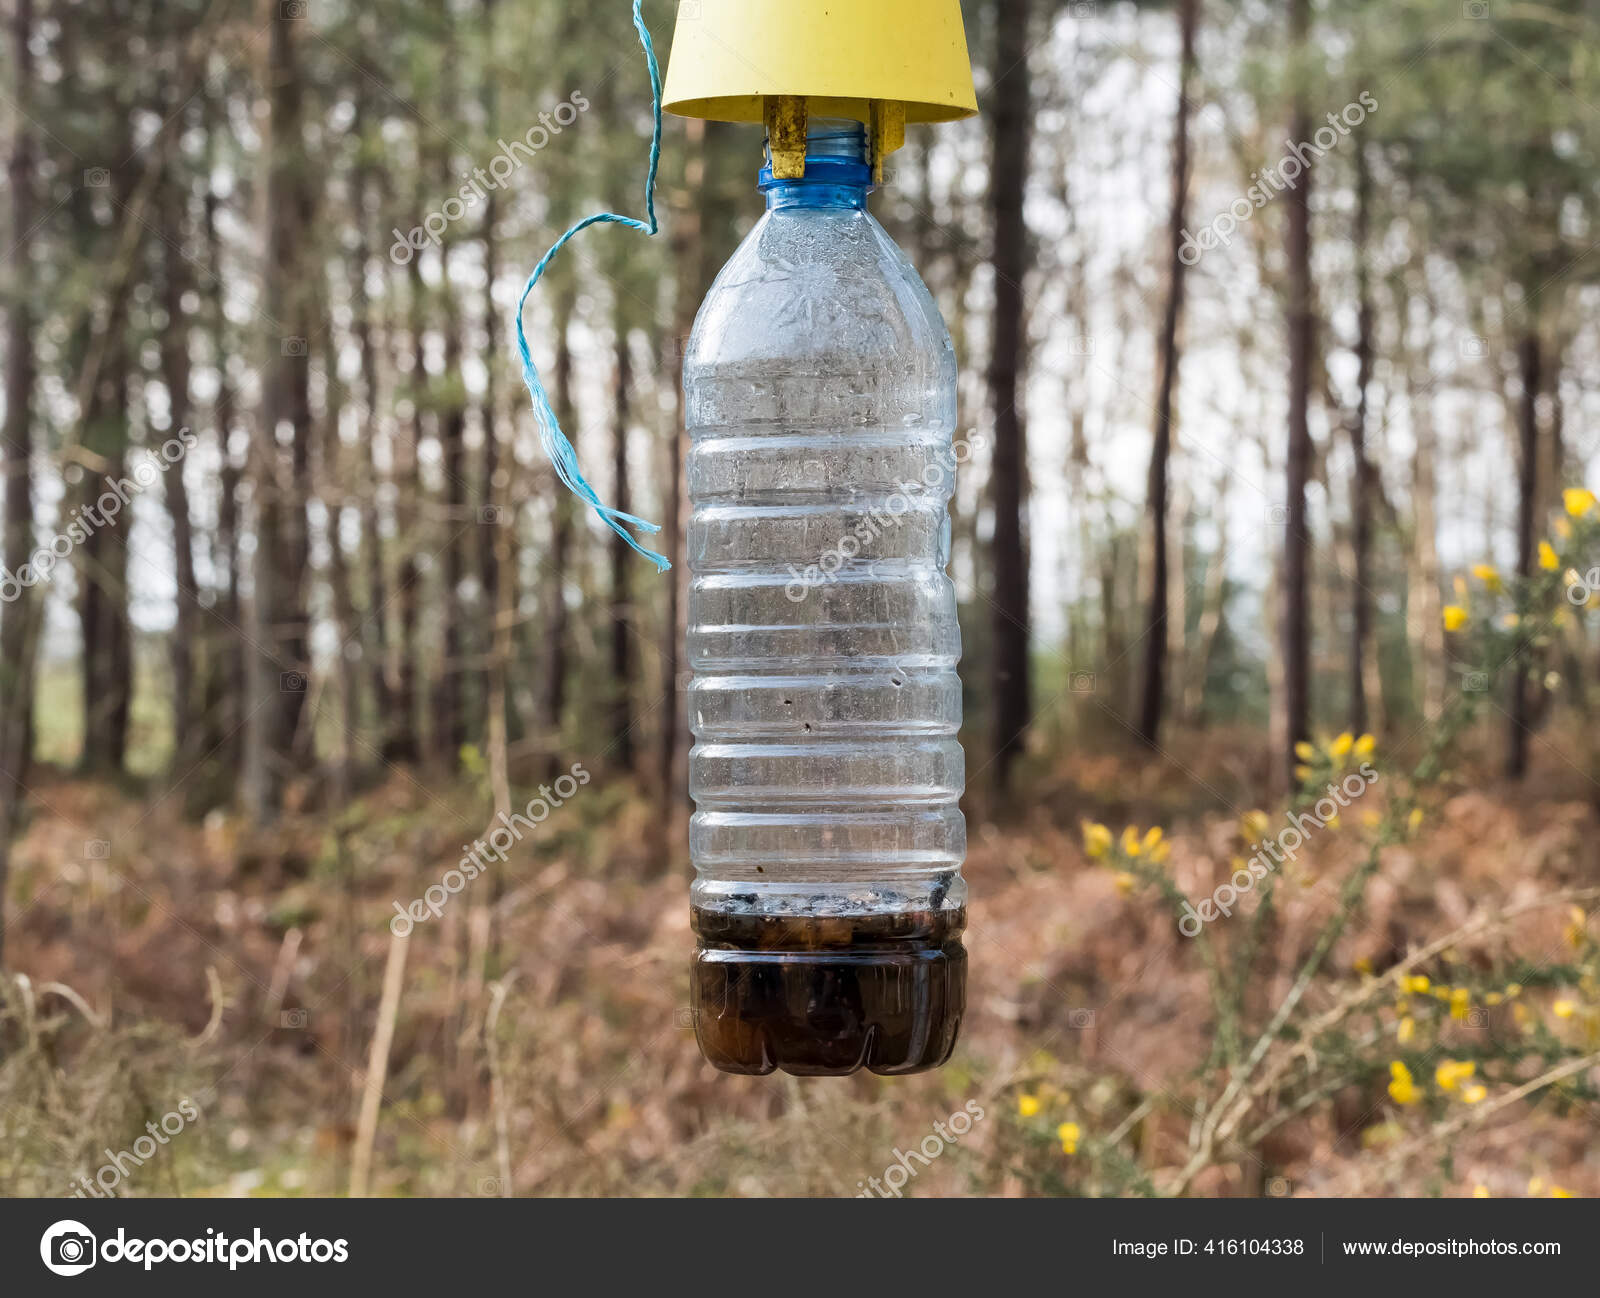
[(828, 996)]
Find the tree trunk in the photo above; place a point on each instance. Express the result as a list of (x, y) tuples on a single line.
[(556, 616), (225, 644), (1212, 600), (102, 561), (1010, 119), (401, 743), (334, 494), (1362, 650), (492, 517), (278, 742), (1296, 641), (449, 710), (687, 250), (621, 560), (1426, 607), (175, 375), (1153, 689), (1529, 364), (374, 623), (450, 729), (19, 619)]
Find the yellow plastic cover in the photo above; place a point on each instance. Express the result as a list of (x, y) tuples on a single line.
[(728, 56)]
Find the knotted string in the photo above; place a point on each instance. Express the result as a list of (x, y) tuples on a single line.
[(554, 441)]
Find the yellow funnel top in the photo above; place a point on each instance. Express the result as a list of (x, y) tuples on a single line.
[(882, 62)]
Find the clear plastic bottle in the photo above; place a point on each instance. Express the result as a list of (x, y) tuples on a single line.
[(827, 840)]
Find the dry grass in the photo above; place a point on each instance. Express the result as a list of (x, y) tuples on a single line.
[(1073, 985)]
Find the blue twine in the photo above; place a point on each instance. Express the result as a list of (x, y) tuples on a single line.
[(554, 441)]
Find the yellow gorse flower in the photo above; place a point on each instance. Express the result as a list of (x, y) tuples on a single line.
[(1069, 1134), (1488, 574), (1455, 617), (1460, 1003), (1125, 882), (1305, 752), (1564, 1009), (1341, 746), (1402, 1087), (1578, 501), (1577, 921), (1549, 560), (1453, 1072), (1406, 1030), (1416, 983), (1096, 840), (1302, 772), (1474, 1094), (1130, 841), (1414, 820), (1365, 745), (1254, 826), (1027, 1105), (1155, 845)]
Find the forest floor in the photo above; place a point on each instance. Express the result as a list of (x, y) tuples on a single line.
[(241, 973)]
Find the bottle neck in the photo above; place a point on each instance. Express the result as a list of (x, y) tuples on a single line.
[(838, 174)]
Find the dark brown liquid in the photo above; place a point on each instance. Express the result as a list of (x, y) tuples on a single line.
[(827, 995)]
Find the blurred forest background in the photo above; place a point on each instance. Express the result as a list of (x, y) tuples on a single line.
[(1239, 431)]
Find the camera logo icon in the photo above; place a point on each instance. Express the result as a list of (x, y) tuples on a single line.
[(68, 1248)]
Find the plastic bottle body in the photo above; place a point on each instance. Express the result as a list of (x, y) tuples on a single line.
[(827, 840)]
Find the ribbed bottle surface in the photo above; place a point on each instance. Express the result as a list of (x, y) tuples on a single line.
[(822, 632)]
